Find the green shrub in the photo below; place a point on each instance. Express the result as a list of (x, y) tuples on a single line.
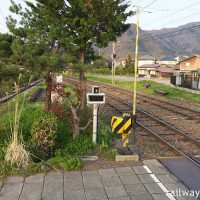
[(81, 146), (43, 135), (66, 163)]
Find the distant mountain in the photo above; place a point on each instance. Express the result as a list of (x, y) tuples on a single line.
[(159, 43)]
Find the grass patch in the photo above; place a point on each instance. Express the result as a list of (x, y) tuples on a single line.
[(174, 93)]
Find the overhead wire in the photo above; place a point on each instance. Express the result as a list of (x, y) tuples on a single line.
[(166, 16)]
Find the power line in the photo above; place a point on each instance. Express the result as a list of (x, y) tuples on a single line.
[(181, 18), (169, 34), (166, 16), (148, 5)]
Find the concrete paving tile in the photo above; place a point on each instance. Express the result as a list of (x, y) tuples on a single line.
[(9, 197), (152, 162), (136, 189), (120, 198), (155, 188), (116, 191), (53, 195), (107, 172), (167, 178), (185, 198), (111, 181), (165, 196), (14, 179), (140, 170), (148, 178), (11, 189), (54, 177), (74, 195), (76, 183), (159, 170), (34, 179), (95, 194), (86, 174), (124, 171), (129, 180), (32, 188), (175, 187), (142, 197), (52, 186), (30, 197), (72, 175), (92, 182)]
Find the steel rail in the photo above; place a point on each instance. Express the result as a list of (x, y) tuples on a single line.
[(192, 159)]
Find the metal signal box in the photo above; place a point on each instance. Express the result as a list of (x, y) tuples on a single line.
[(96, 98), (95, 89)]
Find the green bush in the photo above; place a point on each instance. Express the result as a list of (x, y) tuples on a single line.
[(44, 135), (81, 146), (66, 162)]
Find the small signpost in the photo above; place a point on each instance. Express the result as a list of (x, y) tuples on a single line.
[(59, 79), (95, 98)]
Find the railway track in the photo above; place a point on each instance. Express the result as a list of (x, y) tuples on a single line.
[(167, 105), (181, 142), (14, 93)]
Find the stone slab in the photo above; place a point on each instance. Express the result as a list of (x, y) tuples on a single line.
[(35, 178), (121, 158), (142, 197), (107, 172), (11, 189), (93, 182), (53, 195), (111, 181), (136, 189), (74, 195), (86, 174), (32, 188), (54, 177), (120, 198), (95, 194), (72, 175), (76, 183), (116, 191), (155, 188), (148, 178), (140, 170), (32, 196), (167, 178), (130, 180), (124, 171), (152, 162)]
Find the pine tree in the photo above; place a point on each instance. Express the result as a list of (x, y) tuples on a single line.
[(77, 24)]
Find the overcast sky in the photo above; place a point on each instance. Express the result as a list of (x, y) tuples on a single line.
[(155, 14)]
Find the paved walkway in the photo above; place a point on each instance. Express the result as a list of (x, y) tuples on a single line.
[(149, 182)]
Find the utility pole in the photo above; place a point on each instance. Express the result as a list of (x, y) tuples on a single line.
[(113, 62), (136, 59)]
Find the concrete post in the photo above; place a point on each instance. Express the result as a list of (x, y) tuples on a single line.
[(95, 120)]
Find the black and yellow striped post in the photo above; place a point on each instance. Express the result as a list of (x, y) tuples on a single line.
[(122, 125)]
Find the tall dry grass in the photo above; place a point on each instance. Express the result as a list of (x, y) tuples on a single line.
[(16, 153)]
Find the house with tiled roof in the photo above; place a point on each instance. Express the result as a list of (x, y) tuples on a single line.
[(155, 70), (146, 59), (168, 61)]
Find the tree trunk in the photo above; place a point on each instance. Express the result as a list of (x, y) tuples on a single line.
[(49, 83), (75, 122), (82, 83)]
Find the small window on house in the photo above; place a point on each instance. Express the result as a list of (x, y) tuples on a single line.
[(187, 64)]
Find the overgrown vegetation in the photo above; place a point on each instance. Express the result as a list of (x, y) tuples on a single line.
[(60, 150)]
